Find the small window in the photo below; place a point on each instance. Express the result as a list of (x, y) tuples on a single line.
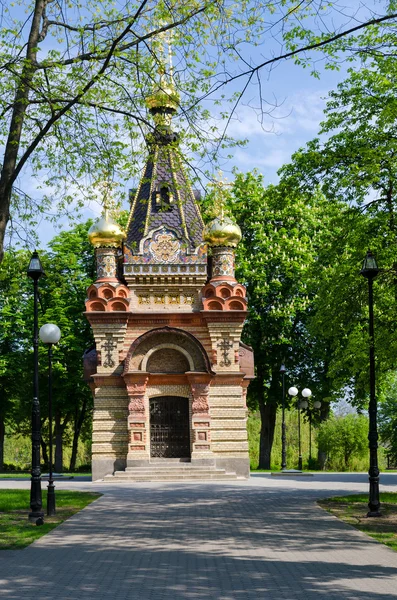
[(164, 197)]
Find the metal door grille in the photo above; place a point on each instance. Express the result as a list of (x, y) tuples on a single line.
[(169, 427)]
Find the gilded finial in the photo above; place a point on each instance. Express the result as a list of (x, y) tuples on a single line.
[(222, 230), (106, 232), (164, 100), (218, 188)]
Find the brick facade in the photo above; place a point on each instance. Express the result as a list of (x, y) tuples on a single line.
[(166, 328)]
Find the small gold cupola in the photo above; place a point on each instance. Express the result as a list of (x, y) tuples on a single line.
[(106, 233), (222, 231)]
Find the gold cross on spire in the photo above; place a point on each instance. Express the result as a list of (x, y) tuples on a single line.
[(220, 192), (105, 188)]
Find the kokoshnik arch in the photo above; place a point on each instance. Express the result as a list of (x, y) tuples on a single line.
[(171, 373)]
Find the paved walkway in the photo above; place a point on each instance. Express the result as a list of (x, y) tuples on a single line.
[(261, 539)]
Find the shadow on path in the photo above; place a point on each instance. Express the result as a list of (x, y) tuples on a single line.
[(202, 542)]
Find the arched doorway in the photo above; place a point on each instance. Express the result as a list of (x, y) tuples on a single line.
[(169, 427)]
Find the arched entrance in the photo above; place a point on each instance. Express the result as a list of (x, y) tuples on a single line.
[(169, 427)]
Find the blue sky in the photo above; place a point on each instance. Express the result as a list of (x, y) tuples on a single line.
[(300, 98)]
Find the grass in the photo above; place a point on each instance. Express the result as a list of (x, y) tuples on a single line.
[(353, 510), (16, 532), (19, 475)]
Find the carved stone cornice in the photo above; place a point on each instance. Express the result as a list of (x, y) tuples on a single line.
[(136, 383), (114, 317), (102, 380), (200, 386), (167, 379), (231, 378), (136, 388), (221, 316)]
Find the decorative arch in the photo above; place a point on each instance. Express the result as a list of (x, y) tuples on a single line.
[(172, 347), (107, 297), (224, 296), (163, 337)]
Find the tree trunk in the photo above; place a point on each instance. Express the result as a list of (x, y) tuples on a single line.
[(2, 437), (268, 413), (20, 104), (78, 422), (322, 452), (58, 465)]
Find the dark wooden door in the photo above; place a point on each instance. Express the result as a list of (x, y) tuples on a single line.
[(169, 427)]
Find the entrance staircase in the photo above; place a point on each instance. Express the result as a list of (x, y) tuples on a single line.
[(170, 471)]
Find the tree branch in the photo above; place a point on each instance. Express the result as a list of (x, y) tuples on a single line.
[(89, 56), (315, 46)]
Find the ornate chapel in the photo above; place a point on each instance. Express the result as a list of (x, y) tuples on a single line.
[(170, 372)]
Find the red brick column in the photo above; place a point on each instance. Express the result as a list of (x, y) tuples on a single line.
[(201, 420), (138, 419)]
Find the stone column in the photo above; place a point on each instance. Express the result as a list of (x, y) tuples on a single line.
[(223, 263), (106, 263), (201, 420), (138, 419)]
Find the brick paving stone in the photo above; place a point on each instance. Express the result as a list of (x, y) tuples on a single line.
[(262, 538)]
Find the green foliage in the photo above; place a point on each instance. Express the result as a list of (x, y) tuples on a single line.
[(344, 439), (356, 168), (387, 416), (68, 265), (18, 450), (72, 106), (291, 420), (283, 231)]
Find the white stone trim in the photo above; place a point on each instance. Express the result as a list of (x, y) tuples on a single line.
[(171, 346)]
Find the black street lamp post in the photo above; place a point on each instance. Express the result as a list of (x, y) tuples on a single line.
[(50, 334), (306, 393), (370, 271), (316, 405), (35, 271), (283, 426)]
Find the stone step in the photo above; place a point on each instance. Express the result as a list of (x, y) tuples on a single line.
[(175, 477), (201, 473), (171, 468), (155, 472)]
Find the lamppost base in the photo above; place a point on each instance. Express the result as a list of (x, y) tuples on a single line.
[(51, 500), (33, 516), (374, 513)]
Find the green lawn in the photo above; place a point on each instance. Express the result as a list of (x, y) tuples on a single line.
[(17, 532), (18, 475), (353, 510)]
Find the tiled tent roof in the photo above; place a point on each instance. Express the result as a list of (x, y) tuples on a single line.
[(164, 165)]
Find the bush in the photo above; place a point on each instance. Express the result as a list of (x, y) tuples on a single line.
[(345, 441)]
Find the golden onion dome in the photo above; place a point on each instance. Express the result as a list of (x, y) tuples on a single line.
[(106, 233), (222, 231), (164, 97)]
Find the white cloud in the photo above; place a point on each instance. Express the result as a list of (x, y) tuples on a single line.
[(300, 112)]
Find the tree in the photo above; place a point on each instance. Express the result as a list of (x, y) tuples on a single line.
[(69, 266), (356, 165), (387, 416), (72, 114), (282, 231), (14, 342), (345, 438), (70, 270)]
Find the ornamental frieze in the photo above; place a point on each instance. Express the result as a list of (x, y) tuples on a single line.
[(164, 248)]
